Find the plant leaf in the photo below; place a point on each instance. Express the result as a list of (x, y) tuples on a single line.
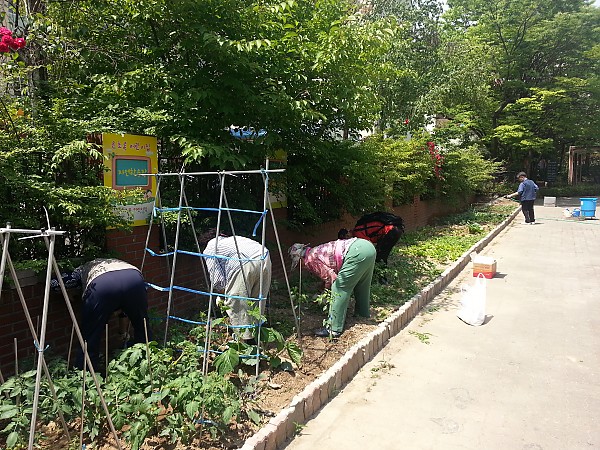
[(294, 352), (254, 416), (12, 439), (227, 361)]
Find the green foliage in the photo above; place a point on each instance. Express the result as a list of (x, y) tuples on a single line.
[(16, 407), (422, 254), (320, 179), (161, 392), (540, 83), (149, 391), (227, 361), (41, 188), (465, 171), (309, 74), (404, 166), (275, 349)]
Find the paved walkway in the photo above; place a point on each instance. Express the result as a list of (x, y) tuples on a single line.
[(529, 378)]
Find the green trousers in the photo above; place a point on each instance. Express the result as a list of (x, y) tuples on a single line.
[(354, 277)]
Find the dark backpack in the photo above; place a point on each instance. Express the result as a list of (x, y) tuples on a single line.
[(383, 217)]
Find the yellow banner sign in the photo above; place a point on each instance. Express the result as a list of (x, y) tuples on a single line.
[(129, 156)]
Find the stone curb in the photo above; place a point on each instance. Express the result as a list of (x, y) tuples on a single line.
[(280, 428)]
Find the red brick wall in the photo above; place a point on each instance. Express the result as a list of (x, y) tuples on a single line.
[(129, 246), (415, 215), (13, 324)]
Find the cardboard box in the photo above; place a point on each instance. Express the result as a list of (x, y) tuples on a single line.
[(484, 265)]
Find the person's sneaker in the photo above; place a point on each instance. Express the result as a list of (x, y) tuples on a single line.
[(325, 332), (532, 223)]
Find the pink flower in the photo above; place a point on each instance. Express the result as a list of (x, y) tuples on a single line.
[(4, 48), (19, 42), (5, 32)]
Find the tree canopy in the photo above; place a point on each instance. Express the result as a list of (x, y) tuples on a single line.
[(512, 81)]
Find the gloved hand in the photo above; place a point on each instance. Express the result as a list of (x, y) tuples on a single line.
[(124, 337)]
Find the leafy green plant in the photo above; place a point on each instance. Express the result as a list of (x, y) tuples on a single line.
[(278, 352), (16, 407), (475, 228)]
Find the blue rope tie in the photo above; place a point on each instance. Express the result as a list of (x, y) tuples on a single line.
[(173, 209), (218, 352), (205, 421), (37, 346), (203, 255), (260, 298), (193, 322), (200, 350), (260, 219)]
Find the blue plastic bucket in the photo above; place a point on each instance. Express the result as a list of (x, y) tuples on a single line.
[(588, 207)]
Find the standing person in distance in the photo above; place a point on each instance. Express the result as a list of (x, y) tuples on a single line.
[(528, 192)]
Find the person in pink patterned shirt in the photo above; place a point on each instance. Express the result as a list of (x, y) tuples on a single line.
[(346, 266)]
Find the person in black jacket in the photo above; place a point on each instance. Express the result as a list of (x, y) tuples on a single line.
[(109, 285), (380, 228)]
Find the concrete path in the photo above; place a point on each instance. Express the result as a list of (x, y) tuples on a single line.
[(528, 378)]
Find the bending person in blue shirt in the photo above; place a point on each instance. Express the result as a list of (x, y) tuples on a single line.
[(527, 191)]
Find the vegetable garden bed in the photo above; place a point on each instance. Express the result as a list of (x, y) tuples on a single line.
[(158, 397)]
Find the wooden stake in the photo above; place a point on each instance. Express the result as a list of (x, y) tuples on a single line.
[(18, 399), (70, 346), (16, 359), (83, 374), (2, 382)]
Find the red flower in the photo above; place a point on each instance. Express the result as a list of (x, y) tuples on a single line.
[(8, 40), (406, 121), (20, 42)]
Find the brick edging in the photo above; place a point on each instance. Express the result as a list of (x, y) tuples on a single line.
[(283, 426)]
